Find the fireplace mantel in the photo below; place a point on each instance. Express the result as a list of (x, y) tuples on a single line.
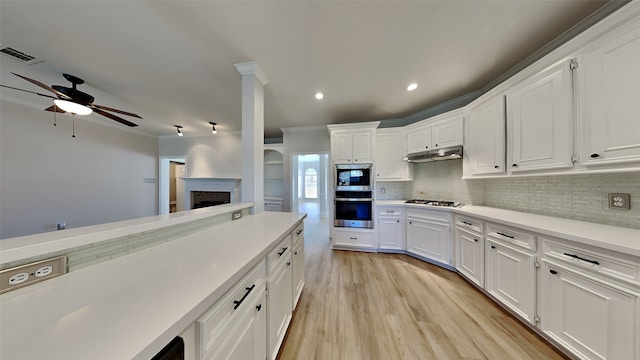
[(231, 185)]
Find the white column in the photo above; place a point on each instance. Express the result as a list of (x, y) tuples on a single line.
[(253, 82), (322, 185)]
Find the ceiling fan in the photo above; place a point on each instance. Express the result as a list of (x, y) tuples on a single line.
[(70, 99)]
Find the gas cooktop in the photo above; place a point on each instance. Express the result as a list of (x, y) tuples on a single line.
[(433, 202)]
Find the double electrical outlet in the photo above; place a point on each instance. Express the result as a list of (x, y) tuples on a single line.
[(23, 275)]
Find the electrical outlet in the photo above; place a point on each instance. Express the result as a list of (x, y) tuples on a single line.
[(236, 215), (620, 201), (24, 275)]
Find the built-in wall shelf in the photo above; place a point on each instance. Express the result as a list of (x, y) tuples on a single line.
[(274, 162), (273, 177)]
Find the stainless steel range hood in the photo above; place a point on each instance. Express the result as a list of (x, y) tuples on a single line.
[(450, 153)]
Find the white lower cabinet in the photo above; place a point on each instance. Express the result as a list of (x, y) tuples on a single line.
[(470, 256), (428, 235), (593, 318), (391, 228), (510, 277), (235, 327), (352, 238), (279, 299), (298, 265)]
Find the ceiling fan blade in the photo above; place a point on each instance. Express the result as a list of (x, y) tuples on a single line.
[(116, 111), (46, 87), (29, 91), (113, 117), (54, 108)]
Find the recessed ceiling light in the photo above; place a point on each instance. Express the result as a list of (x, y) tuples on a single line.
[(319, 96), (412, 86)]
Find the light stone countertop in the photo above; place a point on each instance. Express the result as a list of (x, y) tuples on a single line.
[(616, 238), (130, 307)]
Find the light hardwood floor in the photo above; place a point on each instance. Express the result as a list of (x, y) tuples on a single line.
[(386, 306)]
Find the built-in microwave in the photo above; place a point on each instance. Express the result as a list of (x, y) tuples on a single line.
[(354, 177)]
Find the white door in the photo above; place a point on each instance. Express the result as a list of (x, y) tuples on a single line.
[(540, 121), (447, 133), (418, 139), (391, 233), (589, 316), (485, 138), (362, 149), (389, 155), (428, 239), (510, 277), (279, 307), (341, 147), (609, 94), (470, 256)]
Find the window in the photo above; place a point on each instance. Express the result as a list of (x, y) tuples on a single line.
[(311, 184)]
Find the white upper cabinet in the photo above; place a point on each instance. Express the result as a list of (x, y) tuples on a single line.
[(609, 91), (352, 143), (484, 149), (389, 152), (418, 138), (439, 132), (540, 121)]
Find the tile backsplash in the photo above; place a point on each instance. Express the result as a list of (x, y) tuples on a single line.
[(578, 197)]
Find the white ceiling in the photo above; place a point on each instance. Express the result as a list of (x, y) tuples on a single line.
[(172, 61)]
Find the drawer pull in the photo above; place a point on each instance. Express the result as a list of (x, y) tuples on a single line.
[(237, 303), (493, 247), (581, 258), (476, 240), (283, 251), (390, 211), (299, 232), (353, 238), (505, 235), (259, 307), (553, 272), (466, 223)]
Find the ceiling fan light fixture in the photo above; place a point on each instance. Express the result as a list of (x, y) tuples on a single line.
[(72, 107), (178, 127), (213, 127)]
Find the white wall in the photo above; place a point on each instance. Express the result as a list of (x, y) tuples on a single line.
[(301, 140), (213, 156), (46, 176)]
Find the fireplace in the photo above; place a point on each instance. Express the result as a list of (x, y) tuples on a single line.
[(215, 191), (200, 199)]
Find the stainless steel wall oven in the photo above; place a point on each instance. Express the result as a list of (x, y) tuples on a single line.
[(353, 209)]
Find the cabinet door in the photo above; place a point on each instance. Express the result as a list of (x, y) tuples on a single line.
[(279, 307), (510, 278), (594, 319), (391, 233), (362, 146), (470, 256), (485, 139), (248, 337), (341, 147), (389, 155), (298, 272), (540, 121), (609, 88), (429, 239), (418, 139), (447, 133)]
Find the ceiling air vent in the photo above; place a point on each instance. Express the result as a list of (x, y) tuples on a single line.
[(19, 55)]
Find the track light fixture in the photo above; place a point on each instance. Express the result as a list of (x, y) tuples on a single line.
[(213, 127), (178, 127)]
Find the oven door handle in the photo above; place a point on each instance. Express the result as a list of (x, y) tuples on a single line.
[(354, 199)]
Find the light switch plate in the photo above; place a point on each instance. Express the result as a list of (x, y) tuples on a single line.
[(619, 201)]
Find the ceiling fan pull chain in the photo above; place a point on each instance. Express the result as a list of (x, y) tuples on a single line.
[(74, 125)]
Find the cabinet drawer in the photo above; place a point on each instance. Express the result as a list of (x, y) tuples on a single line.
[(433, 215), (220, 317), (470, 224), (390, 211), (298, 234), (513, 236), (280, 254), (354, 239), (595, 260)]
